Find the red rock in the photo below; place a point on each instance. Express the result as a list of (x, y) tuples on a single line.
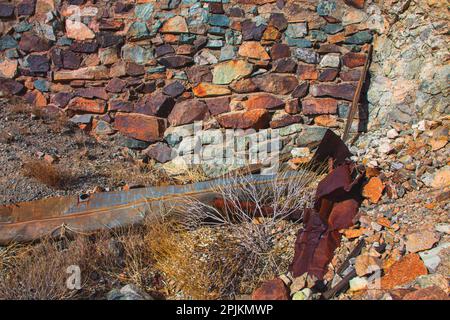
[(292, 106), (87, 105), (218, 105), (163, 50), (271, 290), (285, 120), (84, 46), (263, 101), (87, 73), (307, 72), (373, 189), (256, 119), (30, 42), (157, 104), (187, 111), (216, 8), (61, 99), (341, 90), (355, 3), (354, 59), (403, 271), (159, 151), (92, 92), (429, 293), (328, 75), (276, 83), (116, 85), (330, 48), (244, 86), (134, 69), (278, 20), (351, 75), (120, 105), (301, 90), (197, 74), (175, 61), (280, 50), (285, 65), (313, 106), (140, 127)]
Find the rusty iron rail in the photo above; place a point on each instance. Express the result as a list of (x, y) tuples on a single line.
[(28, 221)]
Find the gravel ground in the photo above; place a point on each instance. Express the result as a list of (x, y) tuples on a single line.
[(24, 138)]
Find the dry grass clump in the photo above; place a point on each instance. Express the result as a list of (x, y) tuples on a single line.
[(40, 271), (47, 173), (213, 253)]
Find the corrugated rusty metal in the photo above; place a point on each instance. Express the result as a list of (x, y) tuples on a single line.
[(28, 221)]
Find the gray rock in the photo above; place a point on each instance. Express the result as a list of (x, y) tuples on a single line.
[(128, 292)]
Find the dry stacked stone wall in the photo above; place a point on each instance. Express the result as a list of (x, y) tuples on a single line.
[(141, 69)]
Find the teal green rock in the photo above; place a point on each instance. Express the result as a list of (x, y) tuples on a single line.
[(7, 42), (318, 35), (216, 31), (299, 43), (227, 52), (326, 7), (226, 72), (332, 28), (143, 11), (137, 31), (214, 43), (296, 30), (360, 38), (157, 69), (186, 38), (22, 26), (219, 20), (42, 85), (137, 54), (310, 136), (233, 37)]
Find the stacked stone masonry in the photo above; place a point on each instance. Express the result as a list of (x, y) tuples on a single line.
[(139, 69)]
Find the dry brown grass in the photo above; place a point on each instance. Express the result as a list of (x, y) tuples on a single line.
[(39, 271), (49, 174)]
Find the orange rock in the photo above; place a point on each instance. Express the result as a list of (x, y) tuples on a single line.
[(384, 222), (256, 119), (87, 105), (372, 172), (40, 100), (353, 233), (175, 24), (253, 49), (139, 126), (326, 120), (205, 89), (271, 34), (403, 271), (373, 189), (429, 293), (336, 38)]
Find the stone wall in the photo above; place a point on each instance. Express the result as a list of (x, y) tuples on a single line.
[(136, 69), (410, 69)]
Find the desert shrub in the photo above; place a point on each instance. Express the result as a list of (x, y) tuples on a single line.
[(213, 252), (39, 271), (47, 173)]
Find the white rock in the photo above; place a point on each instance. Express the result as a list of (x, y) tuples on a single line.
[(392, 134), (304, 294), (358, 283), (443, 228), (300, 152), (385, 148), (431, 257), (330, 60)]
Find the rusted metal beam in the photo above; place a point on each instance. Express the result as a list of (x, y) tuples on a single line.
[(28, 221), (357, 95)]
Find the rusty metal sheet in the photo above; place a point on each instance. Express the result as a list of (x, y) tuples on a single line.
[(28, 221), (337, 201)]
